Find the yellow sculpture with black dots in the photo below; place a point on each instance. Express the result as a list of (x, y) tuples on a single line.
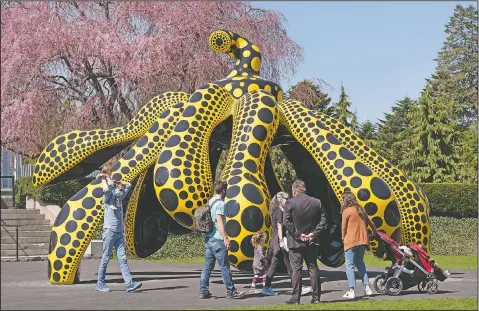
[(177, 139)]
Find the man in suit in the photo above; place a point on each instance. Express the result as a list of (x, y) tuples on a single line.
[(304, 219)]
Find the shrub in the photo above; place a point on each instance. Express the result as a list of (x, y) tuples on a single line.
[(182, 246), (453, 236), (23, 188), (57, 194), (452, 199), (446, 232)]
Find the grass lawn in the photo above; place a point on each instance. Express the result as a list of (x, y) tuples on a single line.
[(445, 262), (366, 304)]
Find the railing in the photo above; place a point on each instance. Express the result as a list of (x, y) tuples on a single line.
[(4, 224), (13, 187)]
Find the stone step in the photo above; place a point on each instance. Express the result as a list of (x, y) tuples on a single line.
[(29, 228), (22, 216), (24, 240), (19, 211), (23, 252), (25, 247), (27, 234), (25, 222)]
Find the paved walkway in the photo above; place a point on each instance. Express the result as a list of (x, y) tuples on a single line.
[(175, 286)]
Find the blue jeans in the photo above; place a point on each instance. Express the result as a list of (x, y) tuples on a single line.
[(355, 258), (114, 239), (216, 250)]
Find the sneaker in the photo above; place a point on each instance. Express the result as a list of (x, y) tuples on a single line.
[(305, 290), (207, 295), (235, 294), (315, 301), (367, 290), (133, 286), (349, 294), (268, 291), (291, 301), (103, 288)]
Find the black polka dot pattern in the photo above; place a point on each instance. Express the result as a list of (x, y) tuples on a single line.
[(83, 213), (409, 200), (70, 149), (182, 173), (183, 177), (341, 164), (247, 197)]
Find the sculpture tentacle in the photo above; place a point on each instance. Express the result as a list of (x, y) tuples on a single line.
[(146, 222), (81, 216), (72, 231), (341, 167), (149, 146), (78, 153), (410, 199), (183, 176), (255, 122)]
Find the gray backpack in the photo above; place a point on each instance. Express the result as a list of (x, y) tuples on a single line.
[(203, 221)]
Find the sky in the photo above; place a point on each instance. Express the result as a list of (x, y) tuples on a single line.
[(381, 51)]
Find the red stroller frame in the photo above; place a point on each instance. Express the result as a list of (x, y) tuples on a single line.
[(393, 281)]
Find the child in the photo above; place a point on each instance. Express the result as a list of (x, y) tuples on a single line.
[(259, 263), (113, 195)]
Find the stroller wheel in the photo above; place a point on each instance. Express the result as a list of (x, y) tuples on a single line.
[(393, 286), (432, 287), (380, 283), (422, 286)]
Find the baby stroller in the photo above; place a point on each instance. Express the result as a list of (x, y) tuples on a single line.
[(411, 265)]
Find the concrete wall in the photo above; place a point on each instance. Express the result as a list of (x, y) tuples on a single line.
[(50, 211)]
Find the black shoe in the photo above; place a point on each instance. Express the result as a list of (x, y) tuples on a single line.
[(235, 295), (291, 301), (315, 301), (205, 296)]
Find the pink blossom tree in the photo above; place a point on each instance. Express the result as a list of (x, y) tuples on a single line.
[(85, 65)]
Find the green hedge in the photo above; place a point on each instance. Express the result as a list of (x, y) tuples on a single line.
[(446, 232), (24, 188), (452, 199), (453, 236), (57, 194)]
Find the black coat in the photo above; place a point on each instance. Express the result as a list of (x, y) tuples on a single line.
[(303, 214)]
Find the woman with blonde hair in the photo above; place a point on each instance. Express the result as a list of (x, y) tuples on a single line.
[(355, 238)]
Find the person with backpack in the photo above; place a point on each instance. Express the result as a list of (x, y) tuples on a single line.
[(211, 219)]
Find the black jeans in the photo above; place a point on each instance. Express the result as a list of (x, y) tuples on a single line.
[(277, 255), (310, 256)]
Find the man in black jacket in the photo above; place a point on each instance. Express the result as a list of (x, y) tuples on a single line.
[(304, 219)]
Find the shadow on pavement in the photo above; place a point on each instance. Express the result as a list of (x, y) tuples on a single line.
[(161, 288)]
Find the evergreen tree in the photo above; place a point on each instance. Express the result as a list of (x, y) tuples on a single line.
[(429, 139), (466, 152), (341, 111), (456, 75), (367, 130), (389, 141)]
